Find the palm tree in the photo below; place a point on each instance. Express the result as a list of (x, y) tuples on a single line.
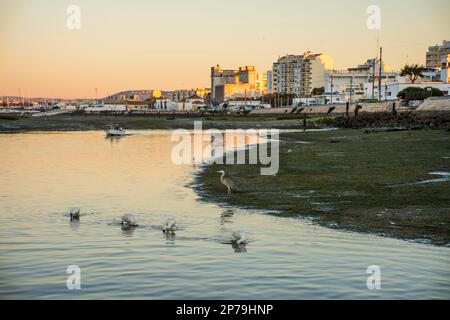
[(412, 72)]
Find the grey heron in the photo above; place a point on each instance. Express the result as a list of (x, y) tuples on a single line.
[(169, 224), (128, 221), (240, 237), (74, 214), (227, 182)]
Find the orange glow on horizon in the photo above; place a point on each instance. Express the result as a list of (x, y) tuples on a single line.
[(172, 44)]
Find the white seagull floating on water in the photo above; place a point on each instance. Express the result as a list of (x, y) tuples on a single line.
[(129, 220), (240, 237), (169, 224)]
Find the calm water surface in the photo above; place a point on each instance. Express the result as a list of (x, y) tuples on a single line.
[(42, 175)]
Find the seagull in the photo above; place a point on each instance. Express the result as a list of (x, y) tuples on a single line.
[(169, 224), (240, 237), (128, 221), (74, 214), (227, 182)]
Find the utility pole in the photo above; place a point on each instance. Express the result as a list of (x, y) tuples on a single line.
[(373, 77), (381, 73), (385, 89), (245, 99), (331, 102), (351, 89)]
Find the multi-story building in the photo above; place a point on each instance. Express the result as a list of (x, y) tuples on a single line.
[(435, 53), (358, 81), (445, 68), (226, 84), (261, 83), (298, 75), (269, 77)]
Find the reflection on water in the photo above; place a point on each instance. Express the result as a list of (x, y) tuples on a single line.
[(170, 236), (75, 225), (239, 248), (44, 174), (128, 231), (227, 216)]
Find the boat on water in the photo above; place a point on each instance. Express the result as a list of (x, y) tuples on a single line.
[(115, 131)]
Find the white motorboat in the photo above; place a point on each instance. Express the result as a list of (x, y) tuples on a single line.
[(115, 131)]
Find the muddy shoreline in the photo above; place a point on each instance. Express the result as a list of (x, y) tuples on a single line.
[(407, 120), (380, 183)]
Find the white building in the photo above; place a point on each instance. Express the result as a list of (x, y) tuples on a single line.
[(246, 105), (165, 104), (357, 82), (445, 68), (322, 99), (194, 102), (108, 106), (269, 76), (139, 106), (298, 75), (435, 54)]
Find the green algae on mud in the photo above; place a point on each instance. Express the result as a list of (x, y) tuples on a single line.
[(353, 180)]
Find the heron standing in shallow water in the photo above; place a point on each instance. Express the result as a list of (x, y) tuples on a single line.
[(227, 182)]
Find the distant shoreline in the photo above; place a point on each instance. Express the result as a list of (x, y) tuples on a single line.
[(405, 120)]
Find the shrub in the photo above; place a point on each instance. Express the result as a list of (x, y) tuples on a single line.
[(414, 93)]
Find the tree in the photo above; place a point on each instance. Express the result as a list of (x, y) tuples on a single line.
[(318, 91), (414, 93), (412, 72)]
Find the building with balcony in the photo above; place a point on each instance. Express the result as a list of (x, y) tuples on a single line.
[(298, 75), (445, 68), (360, 82), (269, 77), (435, 53)]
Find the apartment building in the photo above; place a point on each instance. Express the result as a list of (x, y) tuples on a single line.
[(298, 75), (269, 77), (228, 84), (435, 54)]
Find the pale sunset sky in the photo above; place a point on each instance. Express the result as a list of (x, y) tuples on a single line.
[(171, 44)]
